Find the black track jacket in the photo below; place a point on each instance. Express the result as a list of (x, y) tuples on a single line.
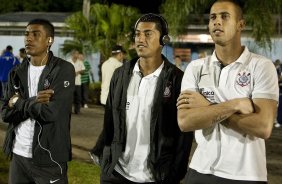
[(169, 147), (54, 117)]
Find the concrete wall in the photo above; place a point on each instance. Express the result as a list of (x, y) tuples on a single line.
[(275, 53), (17, 42)]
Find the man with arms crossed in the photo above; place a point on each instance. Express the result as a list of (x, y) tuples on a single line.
[(37, 107), (239, 108)]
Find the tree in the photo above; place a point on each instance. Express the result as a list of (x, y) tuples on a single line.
[(258, 15), (107, 26)]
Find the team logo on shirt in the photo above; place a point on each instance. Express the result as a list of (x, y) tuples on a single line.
[(243, 78), (127, 105), (46, 84), (167, 91), (208, 94), (66, 83)]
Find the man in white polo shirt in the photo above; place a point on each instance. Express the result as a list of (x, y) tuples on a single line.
[(141, 141), (230, 100), (108, 68)]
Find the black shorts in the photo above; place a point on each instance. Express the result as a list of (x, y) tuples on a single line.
[(22, 170), (194, 177)]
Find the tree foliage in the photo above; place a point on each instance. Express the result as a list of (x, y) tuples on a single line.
[(107, 26), (177, 11), (258, 14), (39, 5)]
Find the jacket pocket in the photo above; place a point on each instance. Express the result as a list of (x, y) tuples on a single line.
[(9, 140), (106, 159)]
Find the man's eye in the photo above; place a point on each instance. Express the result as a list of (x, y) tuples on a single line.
[(148, 34), (212, 17), (224, 16)]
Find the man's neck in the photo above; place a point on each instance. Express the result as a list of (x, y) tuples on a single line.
[(228, 54), (39, 60), (149, 65)]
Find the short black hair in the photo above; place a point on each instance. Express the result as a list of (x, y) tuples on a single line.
[(161, 23), (49, 28), (117, 49), (238, 3), (22, 50), (9, 48)]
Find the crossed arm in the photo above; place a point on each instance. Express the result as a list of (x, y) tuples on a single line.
[(254, 117)]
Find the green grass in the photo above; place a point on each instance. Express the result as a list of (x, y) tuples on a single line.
[(78, 172), (83, 173), (4, 168)]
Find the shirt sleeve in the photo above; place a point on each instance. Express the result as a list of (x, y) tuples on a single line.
[(191, 75), (265, 81)]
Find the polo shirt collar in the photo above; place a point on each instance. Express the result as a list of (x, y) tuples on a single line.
[(156, 73), (241, 59)]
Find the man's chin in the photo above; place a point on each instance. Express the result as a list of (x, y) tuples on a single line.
[(140, 54)]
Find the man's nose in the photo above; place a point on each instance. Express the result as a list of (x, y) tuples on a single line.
[(140, 37), (217, 21)]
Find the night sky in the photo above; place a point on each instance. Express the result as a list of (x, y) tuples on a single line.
[(145, 6)]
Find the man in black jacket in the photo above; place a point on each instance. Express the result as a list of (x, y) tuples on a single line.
[(141, 141), (37, 107)]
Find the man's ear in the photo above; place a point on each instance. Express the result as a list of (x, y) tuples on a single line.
[(50, 41), (241, 24)]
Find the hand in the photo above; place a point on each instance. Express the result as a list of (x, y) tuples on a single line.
[(44, 96), (244, 105), (191, 99), (11, 103)]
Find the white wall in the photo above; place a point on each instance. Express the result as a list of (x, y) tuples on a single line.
[(17, 42)]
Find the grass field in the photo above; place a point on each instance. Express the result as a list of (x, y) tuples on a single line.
[(78, 172)]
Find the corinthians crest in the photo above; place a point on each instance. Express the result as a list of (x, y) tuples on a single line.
[(167, 92), (243, 78)]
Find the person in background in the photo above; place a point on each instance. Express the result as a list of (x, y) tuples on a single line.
[(22, 54), (278, 122), (85, 81), (7, 62), (202, 55), (178, 63), (79, 69), (108, 68), (37, 107), (230, 100), (141, 141)]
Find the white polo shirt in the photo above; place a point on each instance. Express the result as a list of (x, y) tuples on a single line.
[(222, 151), (78, 66), (140, 95), (108, 68)]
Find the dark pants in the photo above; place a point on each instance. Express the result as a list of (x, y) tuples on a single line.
[(23, 171), (84, 93), (0, 89), (116, 178), (77, 99), (193, 177), (279, 111), (3, 89)]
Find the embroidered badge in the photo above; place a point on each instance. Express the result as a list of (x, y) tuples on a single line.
[(243, 78), (46, 84), (127, 105), (167, 91), (66, 83)]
